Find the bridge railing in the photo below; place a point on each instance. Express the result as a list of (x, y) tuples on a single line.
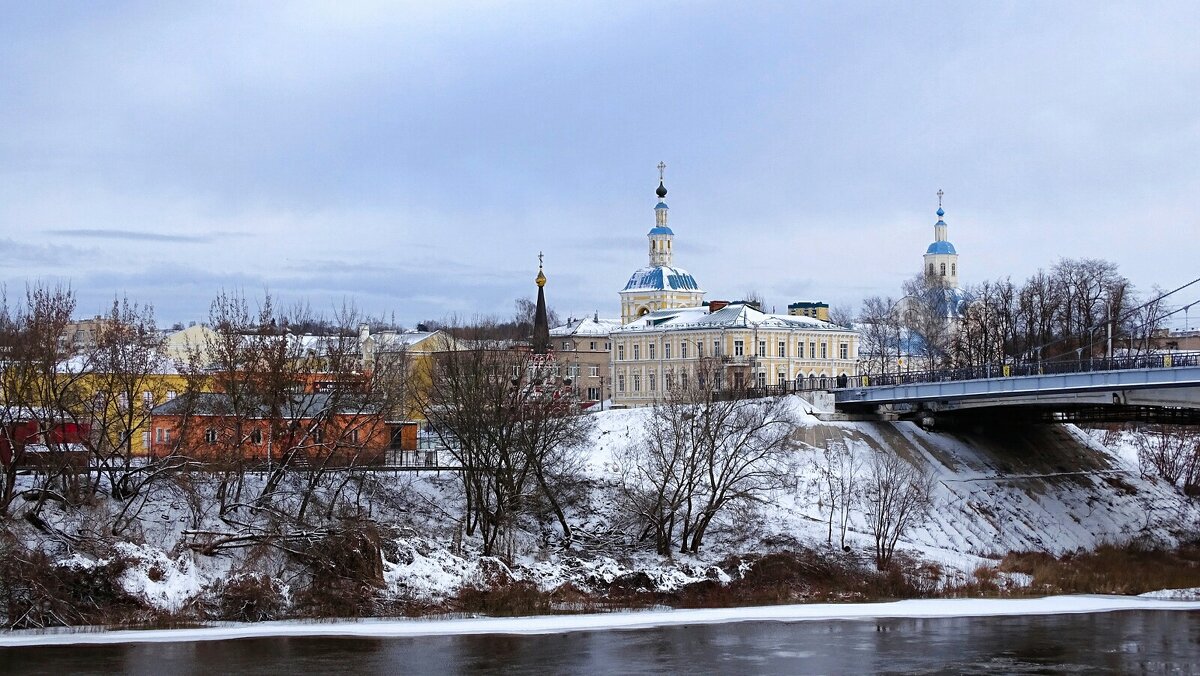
[(1124, 363)]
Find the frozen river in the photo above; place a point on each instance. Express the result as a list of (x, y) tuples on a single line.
[(1129, 641)]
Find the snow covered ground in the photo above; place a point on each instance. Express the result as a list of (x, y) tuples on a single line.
[(1044, 488), (558, 624)]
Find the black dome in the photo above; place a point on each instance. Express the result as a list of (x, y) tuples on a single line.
[(662, 190)]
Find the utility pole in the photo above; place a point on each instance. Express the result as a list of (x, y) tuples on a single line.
[(1109, 324)]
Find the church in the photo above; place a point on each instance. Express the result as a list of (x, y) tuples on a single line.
[(670, 337)]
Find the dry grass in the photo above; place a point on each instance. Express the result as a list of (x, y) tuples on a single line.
[(1109, 569)]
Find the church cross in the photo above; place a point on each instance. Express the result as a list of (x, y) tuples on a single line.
[(661, 167), (539, 260), (940, 193)]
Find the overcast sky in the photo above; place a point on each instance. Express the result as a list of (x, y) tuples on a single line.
[(414, 158)]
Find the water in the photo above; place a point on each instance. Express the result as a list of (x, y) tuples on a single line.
[(1119, 642)]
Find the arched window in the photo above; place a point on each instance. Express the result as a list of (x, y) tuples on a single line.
[(931, 268), (943, 269), (954, 268)]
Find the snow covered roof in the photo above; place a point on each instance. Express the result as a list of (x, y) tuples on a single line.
[(732, 315), (589, 326), (393, 340), (662, 277)]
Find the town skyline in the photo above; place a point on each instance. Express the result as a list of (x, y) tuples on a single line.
[(388, 156)]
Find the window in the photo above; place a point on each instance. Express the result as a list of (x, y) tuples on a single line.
[(317, 435), (566, 345), (608, 346), (954, 268), (824, 351), (637, 382), (158, 435), (147, 399), (592, 345), (812, 350), (354, 436), (800, 350), (594, 371), (762, 348), (781, 379), (739, 348), (650, 351), (210, 435), (620, 353), (943, 269), (782, 349), (145, 440), (170, 395), (637, 352), (666, 350), (931, 268), (651, 381), (256, 437), (621, 383), (762, 379), (738, 381), (593, 394), (683, 380), (716, 348), (683, 349), (844, 351), (670, 381)]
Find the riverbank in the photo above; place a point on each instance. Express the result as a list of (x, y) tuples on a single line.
[(554, 624)]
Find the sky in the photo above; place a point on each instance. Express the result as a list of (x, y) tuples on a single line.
[(414, 158)]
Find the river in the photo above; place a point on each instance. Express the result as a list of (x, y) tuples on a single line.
[(1113, 642)]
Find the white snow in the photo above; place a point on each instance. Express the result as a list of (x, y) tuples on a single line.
[(556, 624)]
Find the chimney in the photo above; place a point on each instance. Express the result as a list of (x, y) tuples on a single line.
[(715, 305)]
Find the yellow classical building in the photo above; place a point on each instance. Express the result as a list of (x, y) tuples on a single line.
[(732, 346)]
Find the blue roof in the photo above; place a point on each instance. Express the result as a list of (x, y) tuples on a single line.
[(661, 230), (941, 248), (661, 205), (662, 277)]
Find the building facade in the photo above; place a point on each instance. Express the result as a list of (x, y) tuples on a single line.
[(725, 346), (582, 347)]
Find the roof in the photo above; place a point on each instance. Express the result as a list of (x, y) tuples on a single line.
[(941, 247), (590, 326), (661, 230), (661, 277), (297, 407), (732, 315)]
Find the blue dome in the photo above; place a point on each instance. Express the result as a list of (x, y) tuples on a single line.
[(941, 248), (940, 213), (660, 278), (661, 230), (661, 205)]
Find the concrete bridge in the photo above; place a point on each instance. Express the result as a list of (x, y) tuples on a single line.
[(1154, 388)]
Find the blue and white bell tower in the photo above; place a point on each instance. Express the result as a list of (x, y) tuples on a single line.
[(941, 260)]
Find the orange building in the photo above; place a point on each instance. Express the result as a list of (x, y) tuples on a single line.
[(205, 427)]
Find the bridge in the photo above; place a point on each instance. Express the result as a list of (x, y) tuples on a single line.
[(1151, 388)]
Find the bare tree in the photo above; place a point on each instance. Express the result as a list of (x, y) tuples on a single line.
[(880, 331), (514, 429), (897, 497), (697, 455), (1171, 452), (839, 470)]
